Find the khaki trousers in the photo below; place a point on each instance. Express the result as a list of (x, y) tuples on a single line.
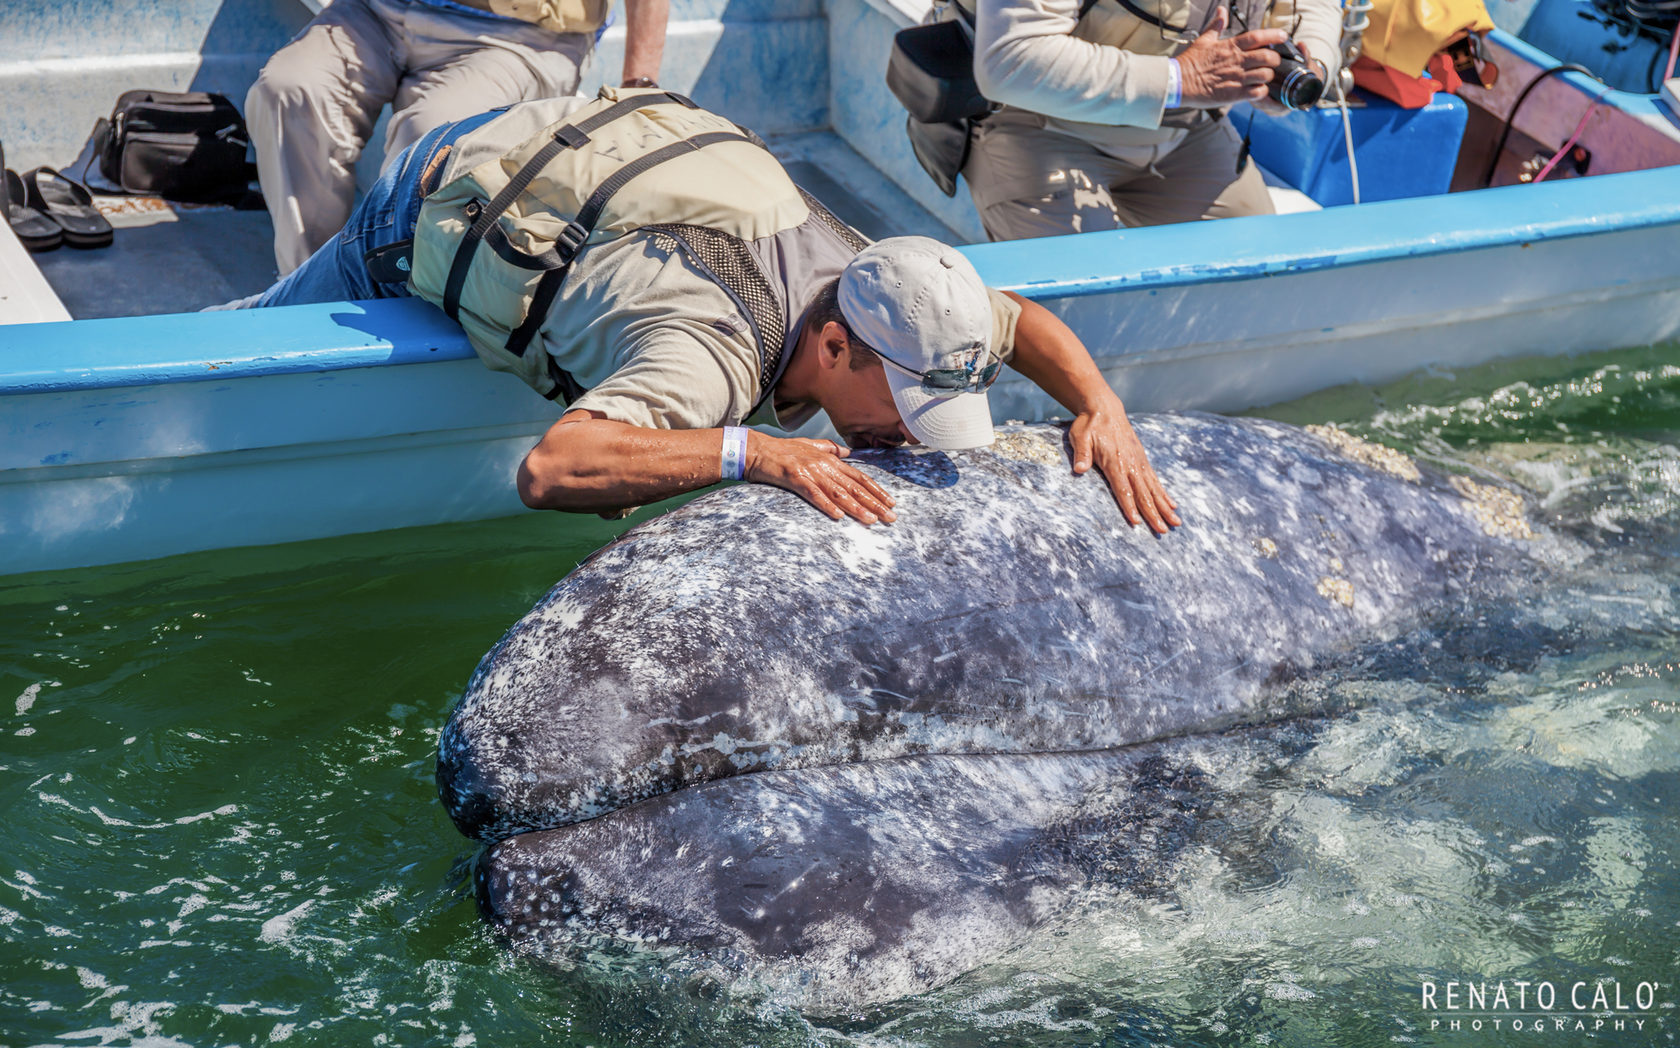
[(1028, 180), (314, 105)]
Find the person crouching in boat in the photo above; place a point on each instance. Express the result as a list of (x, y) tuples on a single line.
[(1111, 113), (652, 265)]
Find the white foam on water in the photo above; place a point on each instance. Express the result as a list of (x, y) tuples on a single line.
[(27, 699), (281, 929)]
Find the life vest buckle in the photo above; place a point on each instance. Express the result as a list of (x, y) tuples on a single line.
[(571, 136), (571, 241)]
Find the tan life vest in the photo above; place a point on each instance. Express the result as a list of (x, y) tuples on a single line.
[(559, 16), (1149, 27), (493, 243)]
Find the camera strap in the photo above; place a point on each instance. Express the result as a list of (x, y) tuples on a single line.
[(1179, 31), (1084, 9)]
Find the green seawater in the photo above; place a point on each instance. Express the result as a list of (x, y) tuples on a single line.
[(221, 826)]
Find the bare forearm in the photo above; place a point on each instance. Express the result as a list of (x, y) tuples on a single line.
[(644, 37), (587, 463), (1051, 355), (592, 465)]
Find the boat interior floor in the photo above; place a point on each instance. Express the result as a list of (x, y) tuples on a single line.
[(176, 258), (164, 258)]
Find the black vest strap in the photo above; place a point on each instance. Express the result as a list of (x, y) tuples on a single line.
[(548, 285), (575, 235), (569, 136)]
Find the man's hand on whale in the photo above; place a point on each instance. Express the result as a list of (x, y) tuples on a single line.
[(900, 349), (1051, 355)]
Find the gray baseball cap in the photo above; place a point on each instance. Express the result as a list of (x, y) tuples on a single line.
[(922, 306)]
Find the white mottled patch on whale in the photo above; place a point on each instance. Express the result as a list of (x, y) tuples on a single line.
[(864, 550), (1031, 445), (562, 614)]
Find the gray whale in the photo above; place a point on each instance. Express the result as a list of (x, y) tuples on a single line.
[(747, 728)]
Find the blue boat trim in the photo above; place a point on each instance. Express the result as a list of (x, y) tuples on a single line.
[(1246, 248), (133, 351), (186, 347)]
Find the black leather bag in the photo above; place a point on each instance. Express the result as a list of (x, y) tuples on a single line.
[(931, 70), (941, 149), (187, 146)]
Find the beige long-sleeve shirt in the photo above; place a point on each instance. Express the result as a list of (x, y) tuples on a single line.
[(1104, 78)]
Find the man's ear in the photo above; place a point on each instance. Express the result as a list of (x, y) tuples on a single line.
[(832, 344)]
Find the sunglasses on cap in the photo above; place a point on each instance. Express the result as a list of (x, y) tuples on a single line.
[(951, 380)]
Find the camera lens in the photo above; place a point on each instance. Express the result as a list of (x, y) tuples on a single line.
[(1294, 84)]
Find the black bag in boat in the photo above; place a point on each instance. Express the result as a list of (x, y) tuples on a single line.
[(187, 146), (931, 70), (941, 149)]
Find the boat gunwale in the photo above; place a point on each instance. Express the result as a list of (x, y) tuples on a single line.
[(146, 350)]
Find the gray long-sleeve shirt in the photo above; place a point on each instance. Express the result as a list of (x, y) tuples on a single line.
[(1109, 83)]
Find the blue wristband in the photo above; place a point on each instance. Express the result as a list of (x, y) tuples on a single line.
[(1175, 84), (734, 452)]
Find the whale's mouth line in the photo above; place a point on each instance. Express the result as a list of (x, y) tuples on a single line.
[(1231, 725)]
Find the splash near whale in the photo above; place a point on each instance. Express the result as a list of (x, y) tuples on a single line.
[(880, 755)]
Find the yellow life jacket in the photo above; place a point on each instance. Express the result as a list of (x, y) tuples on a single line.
[(493, 243), (560, 16), (1405, 34)]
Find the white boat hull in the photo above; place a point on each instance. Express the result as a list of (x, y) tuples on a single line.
[(323, 426)]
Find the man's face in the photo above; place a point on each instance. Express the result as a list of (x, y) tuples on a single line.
[(862, 409)]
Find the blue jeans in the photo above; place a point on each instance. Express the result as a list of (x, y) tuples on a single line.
[(386, 215)]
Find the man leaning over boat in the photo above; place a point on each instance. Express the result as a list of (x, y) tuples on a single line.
[(1112, 113), (651, 264)]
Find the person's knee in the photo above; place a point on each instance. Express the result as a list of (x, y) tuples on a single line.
[(1080, 205), (288, 80)]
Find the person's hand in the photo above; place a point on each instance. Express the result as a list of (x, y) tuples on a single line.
[(1271, 106), (812, 469), (1105, 438), (1219, 72)]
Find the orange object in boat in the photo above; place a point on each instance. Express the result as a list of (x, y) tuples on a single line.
[(1409, 92)]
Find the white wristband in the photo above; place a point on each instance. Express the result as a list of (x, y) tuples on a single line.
[(1175, 84), (734, 452)]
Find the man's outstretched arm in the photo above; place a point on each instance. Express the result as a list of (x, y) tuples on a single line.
[(1052, 356), (644, 38), (588, 463)]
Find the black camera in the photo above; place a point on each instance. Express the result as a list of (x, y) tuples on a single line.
[(1294, 84)]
